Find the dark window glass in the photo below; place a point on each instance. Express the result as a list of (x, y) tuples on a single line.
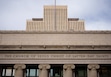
[(32, 71), (0, 71), (56, 71), (7, 71), (105, 71), (81, 71)]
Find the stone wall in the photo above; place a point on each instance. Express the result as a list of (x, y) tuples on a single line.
[(55, 38), (86, 38)]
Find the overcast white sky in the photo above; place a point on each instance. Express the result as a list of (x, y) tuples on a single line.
[(14, 13)]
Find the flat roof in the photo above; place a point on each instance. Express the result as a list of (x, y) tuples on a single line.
[(53, 32), (37, 19), (73, 19)]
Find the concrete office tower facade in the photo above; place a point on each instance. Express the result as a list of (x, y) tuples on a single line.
[(55, 19)]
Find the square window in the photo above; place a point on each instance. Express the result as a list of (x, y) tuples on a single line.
[(8, 72), (32, 72), (81, 73)]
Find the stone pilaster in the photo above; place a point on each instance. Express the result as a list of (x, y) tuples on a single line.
[(43, 70), (67, 68), (19, 70), (93, 70), (64, 72)]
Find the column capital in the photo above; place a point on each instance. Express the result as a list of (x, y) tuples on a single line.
[(93, 66), (66, 66), (19, 66), (44, 66)]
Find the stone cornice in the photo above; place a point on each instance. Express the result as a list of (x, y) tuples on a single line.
[(35, 32), (55, 47), (54, 52)]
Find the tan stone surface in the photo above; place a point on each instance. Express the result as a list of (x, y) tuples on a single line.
[(93, 70), (55, 59), (76, 25), (44, 70), (19, 70), (35, 25), (55, 39), (68, 70)]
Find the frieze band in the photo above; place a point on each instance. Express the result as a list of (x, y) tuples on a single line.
[(55, 56)]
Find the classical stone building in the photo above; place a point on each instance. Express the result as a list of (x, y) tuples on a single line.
[(55, 32)]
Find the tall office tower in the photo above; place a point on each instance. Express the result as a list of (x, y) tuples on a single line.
[(55, 19)]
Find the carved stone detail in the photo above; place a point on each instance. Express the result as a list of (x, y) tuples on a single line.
[(44, 66), (43, 70), (66, 66), (68, 70), (93, 70), (19, 70), (93, 66)]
